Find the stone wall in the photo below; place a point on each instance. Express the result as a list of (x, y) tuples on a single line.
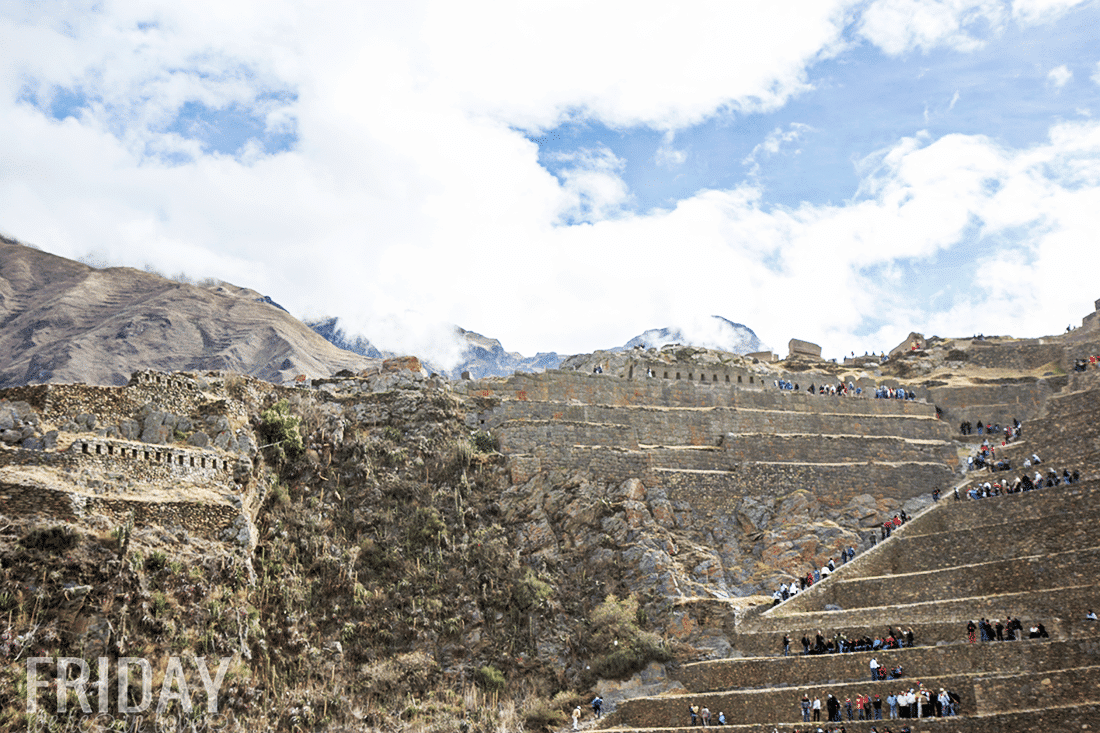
[(604, 389), (1069, 434), (1040, 572), (1022, 656), (523, 436), (708, 425), (204, 519), (833, 485), (836, 449), (1022, 400), (1024, 355)]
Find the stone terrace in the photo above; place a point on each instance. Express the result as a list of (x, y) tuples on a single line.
[(1029, 555), (711, 438)]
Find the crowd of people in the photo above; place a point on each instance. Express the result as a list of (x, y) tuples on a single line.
[(701, 716), (840, 643), (849, 389), (1010, 433), (1010, 630), (1024, 482), (915, 702), (786, 590)]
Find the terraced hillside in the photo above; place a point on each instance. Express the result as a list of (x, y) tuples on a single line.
[(1028, 555)]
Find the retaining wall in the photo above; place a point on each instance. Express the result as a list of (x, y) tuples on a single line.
[(205, 519)]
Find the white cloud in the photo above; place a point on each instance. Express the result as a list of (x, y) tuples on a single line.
[(412, 191), (1059, 76), (1096, 74), (1040, 11), (592, 185), (774, 142), (668, 156), (898, 26), (954, 101)]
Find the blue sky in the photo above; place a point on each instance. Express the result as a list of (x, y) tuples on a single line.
[(565, 176)]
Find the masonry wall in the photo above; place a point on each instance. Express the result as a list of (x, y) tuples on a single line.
[(982, 579), (834, 486), (1069, 434), (1023, 656), (979, 544), (708, 425), (835, 449), (523, 436), (1023, 355), (603, 389), (993, 403), (208, 520)]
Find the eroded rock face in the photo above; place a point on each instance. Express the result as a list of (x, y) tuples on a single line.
[(665, 552)]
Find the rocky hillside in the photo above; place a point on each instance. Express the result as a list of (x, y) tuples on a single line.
[(63, 321)]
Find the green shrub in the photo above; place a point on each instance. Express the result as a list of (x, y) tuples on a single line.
[(542, 714), (486, 442), (51, 539), (280, 432), (618, 645), (490, 678)]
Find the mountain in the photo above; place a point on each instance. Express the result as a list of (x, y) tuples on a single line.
[(482, 356), (486, 357), (716, 332), (64, 321)]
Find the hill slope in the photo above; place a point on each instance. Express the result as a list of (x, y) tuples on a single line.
[(63, 321)]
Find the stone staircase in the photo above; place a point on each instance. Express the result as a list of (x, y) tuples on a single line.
[(1030, 555)]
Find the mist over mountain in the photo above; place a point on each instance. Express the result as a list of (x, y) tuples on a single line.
[(714, 332), (483, 356)]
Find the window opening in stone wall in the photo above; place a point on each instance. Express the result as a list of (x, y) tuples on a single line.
[(85, 448), (202, 462), (110, 450), (715, 378), (666, 375), (146, 454), (157, 459), (677, 375), (691, 377), (133, 453), (192, 461), (181, 460), (739, 379), (750, 379), (727, 379), (98, 449)]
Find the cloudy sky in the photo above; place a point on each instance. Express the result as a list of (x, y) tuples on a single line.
[(565, 175)]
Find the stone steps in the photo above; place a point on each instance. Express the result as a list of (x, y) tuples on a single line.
[(1052, 719), (1039, 604), (1025, 506), (980, 694), (926, 633), (1035, 572), (940, 550), (1026, 655)]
